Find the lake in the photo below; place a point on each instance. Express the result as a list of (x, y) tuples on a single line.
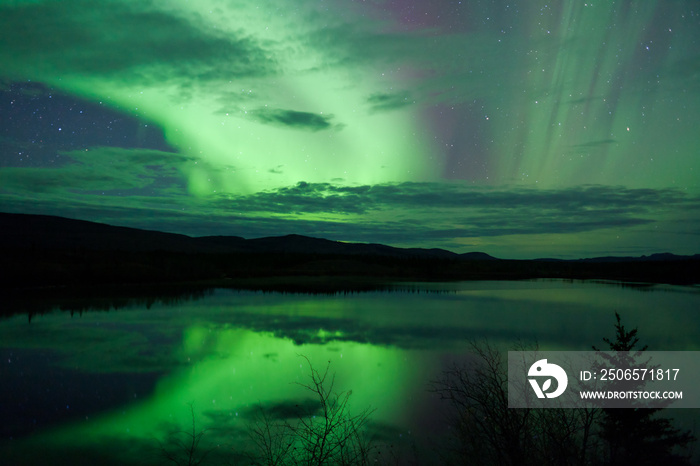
[(114, 387)]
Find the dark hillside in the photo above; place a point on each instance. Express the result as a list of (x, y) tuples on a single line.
[(45, 251)]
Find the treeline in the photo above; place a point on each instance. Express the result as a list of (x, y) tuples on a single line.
[(82, 267), (77, 300)]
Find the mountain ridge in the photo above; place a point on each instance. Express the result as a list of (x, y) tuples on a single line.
[(48, 251), (55, 232)]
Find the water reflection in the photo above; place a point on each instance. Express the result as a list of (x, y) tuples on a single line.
[(76, 301), (88, 382)]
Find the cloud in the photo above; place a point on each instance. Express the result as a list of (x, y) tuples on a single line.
[(408, 214), (304, 330), (97, 169), (431, 212), (579, 200), (382, 101), (293, 119), (113, 39), (599, 143), (282, 410)]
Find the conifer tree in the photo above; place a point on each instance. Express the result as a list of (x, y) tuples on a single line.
[(639, 436)]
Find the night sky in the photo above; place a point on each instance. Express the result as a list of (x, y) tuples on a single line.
[(519, 128)]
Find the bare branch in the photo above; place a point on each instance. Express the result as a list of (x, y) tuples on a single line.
[(333, 437)]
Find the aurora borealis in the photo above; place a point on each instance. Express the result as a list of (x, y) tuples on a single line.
[(115, 383), (518, 128)]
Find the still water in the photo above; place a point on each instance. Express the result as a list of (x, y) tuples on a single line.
[(111, 387)]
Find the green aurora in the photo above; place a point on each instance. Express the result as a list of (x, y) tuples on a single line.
[(522, 129), (230, 353)]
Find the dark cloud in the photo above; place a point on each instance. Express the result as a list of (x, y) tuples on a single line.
[(293, 119), (581, 200), (426, 214), (388, 101), (304, 330), (599, 143), (385, 213), (282, 410), (97, 169), (300, 198), (584, 100), (113, 40)]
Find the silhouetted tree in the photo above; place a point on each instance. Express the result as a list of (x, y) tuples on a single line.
[(182, 446), (330, 435), (638, 436)]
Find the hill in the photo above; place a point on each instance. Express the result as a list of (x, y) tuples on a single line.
[(25, 231), (45, 251)]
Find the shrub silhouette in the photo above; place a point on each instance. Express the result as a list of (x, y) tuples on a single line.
[(485, 431), (182, 447), (327, 435)]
